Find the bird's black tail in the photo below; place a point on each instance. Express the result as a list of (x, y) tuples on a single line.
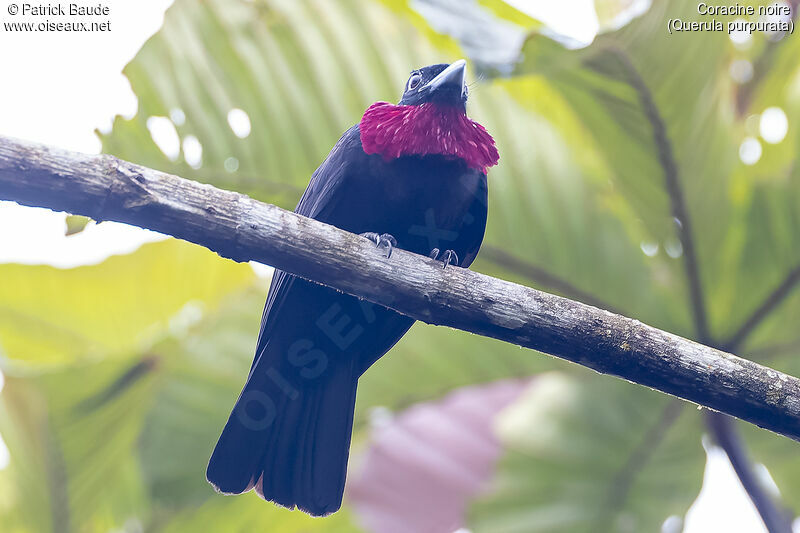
[(289, 435)]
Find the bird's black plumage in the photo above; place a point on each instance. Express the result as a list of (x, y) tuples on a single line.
[(289, 433)]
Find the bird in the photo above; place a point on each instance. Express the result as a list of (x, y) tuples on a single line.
[(410, 175)]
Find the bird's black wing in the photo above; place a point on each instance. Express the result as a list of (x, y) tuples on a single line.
[(319, 201)]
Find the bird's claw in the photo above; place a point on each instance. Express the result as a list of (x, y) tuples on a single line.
[(382, 240), (447, 258)]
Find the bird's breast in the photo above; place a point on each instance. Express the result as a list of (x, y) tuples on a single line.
[(426, 202)]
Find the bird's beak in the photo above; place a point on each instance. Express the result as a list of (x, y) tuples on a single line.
[(452, 78)]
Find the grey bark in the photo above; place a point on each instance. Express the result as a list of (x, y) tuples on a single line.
[(237, 227)]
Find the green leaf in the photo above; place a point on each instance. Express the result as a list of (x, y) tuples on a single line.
[(25, 503), (202, 375), (742, 216), (510, 13), (250, 513), (76, 224), (55, 316), (612, 14), (592, 454), (555, 206), (72, 437), (301, 84)]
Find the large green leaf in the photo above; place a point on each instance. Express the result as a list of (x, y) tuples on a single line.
[(610, 98), (579, 193), (50, 315), (589, 455), (301, 84), (72, 437), (762, 242), (250, 513), (202, 374), (27, 484), (73, 431), (627, 82), (554, 205)]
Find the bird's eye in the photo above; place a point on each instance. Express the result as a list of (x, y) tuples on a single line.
[(414, 81)]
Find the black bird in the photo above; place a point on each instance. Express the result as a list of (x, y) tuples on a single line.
[(412, 176)]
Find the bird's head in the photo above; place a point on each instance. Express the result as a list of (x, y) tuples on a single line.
[(442, 85), (430, 119)]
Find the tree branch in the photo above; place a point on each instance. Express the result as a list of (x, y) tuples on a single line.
[(240, 228), (541, 276)]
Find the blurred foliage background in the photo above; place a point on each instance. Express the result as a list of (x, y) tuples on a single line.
[(119, 376)]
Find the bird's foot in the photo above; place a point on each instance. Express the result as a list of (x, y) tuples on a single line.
[(383, 240), (448, 257)]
